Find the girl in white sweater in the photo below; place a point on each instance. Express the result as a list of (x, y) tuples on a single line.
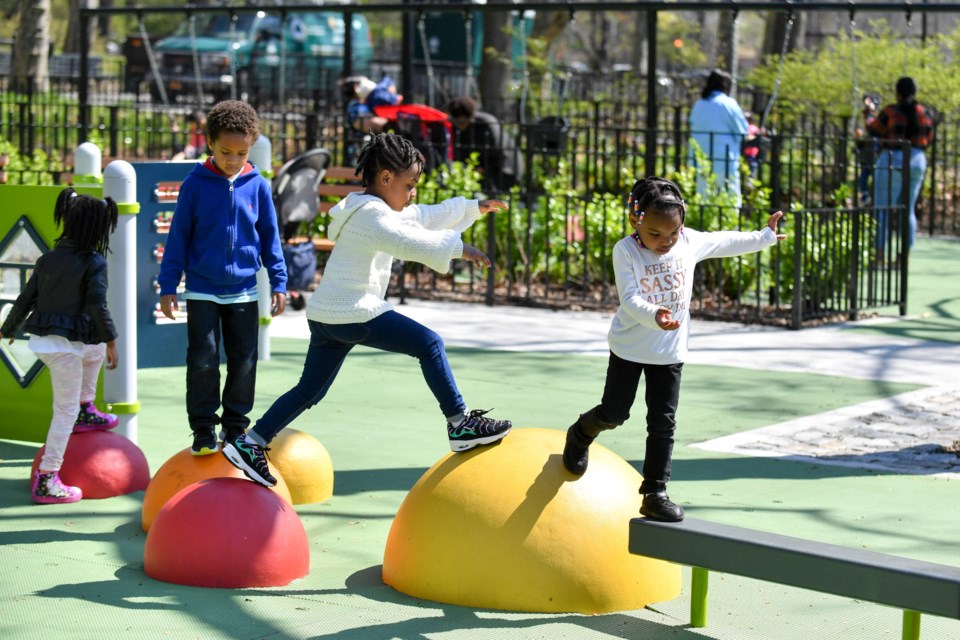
[(654, 268), (348, 308)]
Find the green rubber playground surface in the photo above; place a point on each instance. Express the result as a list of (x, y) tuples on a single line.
[(76, 571)]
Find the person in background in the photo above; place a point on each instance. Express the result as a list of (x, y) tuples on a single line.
[(718, 127), (195, 145), (479, 132), (751, 144), (905, 121)]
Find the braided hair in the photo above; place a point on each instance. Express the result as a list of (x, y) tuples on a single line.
[(387, 151), (654, 195), (87, 221)]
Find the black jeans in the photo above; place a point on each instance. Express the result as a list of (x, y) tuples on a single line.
[(239, 325), (662, 397)]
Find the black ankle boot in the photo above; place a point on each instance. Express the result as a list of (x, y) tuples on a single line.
[(579, 438), (658, 506), (576, 451)]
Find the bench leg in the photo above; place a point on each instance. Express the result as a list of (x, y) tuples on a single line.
[(911, 625), (698, 597)]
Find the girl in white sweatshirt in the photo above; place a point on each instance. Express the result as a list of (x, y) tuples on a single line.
[(654, 268), (348, 308)]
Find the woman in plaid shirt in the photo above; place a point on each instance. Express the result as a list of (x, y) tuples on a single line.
[(905, 121)]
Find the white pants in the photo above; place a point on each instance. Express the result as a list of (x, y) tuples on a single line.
[(74, 379)]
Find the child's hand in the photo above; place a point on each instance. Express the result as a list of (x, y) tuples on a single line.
[(112, 357), (279, 303), (475, 256), (169, 304), (486, 206), (12, 338), (772, 223), (665, 320)]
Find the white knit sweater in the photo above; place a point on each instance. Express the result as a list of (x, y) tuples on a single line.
[(368, 236)]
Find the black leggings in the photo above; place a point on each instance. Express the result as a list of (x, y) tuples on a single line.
[(662, 396)]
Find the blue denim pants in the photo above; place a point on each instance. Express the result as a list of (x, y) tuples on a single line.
[(888, 189), (329, 346), (238, 325)]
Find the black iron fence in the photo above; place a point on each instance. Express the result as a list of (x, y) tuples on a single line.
[(567, 207)]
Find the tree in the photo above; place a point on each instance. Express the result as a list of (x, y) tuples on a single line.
[(30, 65), (72, 45), (496, 69)]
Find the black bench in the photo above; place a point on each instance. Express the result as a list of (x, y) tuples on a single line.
[(911, 585)]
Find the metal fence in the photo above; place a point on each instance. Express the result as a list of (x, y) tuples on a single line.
[(567, 209)]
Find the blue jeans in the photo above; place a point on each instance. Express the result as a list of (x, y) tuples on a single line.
[(329, 346), (888, 190), (239, 325), (662, 395)]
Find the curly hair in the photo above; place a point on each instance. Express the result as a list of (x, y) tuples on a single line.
[(232, 116), (386, 151), (87, 221)]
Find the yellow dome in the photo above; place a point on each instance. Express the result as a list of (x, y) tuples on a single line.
[(304, 464), (508, 527)]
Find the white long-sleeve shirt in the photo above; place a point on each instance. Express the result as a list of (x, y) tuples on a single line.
[(647, 281), (368, 236)]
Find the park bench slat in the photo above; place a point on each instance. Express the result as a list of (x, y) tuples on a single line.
[(855, 573)]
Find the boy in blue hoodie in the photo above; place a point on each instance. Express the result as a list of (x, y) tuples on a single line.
[(224, 229)]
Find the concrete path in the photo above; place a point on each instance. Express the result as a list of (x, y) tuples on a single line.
[(832, 350), (915, 432)]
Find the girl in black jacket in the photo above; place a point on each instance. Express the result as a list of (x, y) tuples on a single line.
[(64, 306)]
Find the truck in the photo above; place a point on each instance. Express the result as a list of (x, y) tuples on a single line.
[(225, 55)]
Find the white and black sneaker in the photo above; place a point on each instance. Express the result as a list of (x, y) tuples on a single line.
[(249, 457), (475, 430)]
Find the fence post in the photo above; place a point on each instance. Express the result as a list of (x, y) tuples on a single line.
[(492, 254), (854, 286), (776, 147), (114, 130), (796, 321), (650, 139), (904, 257), (932, 208), (83, 90)]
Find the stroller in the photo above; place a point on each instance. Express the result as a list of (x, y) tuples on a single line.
[(427, 128), (296, 201)]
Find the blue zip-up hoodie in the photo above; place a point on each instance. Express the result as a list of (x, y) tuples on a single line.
[(221, 233)]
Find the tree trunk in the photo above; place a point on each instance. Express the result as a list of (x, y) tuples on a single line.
[(727, 34), (497, 65), (72, 44), (30, 63)]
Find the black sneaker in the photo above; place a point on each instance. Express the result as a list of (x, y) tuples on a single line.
[(249, 457), (657, 506), (204, 443), (229, 434), (476, 430)]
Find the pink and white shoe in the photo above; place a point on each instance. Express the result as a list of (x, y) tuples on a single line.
[(92, 419), (47, 488)]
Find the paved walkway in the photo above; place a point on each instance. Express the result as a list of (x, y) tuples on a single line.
[(914, 432)]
